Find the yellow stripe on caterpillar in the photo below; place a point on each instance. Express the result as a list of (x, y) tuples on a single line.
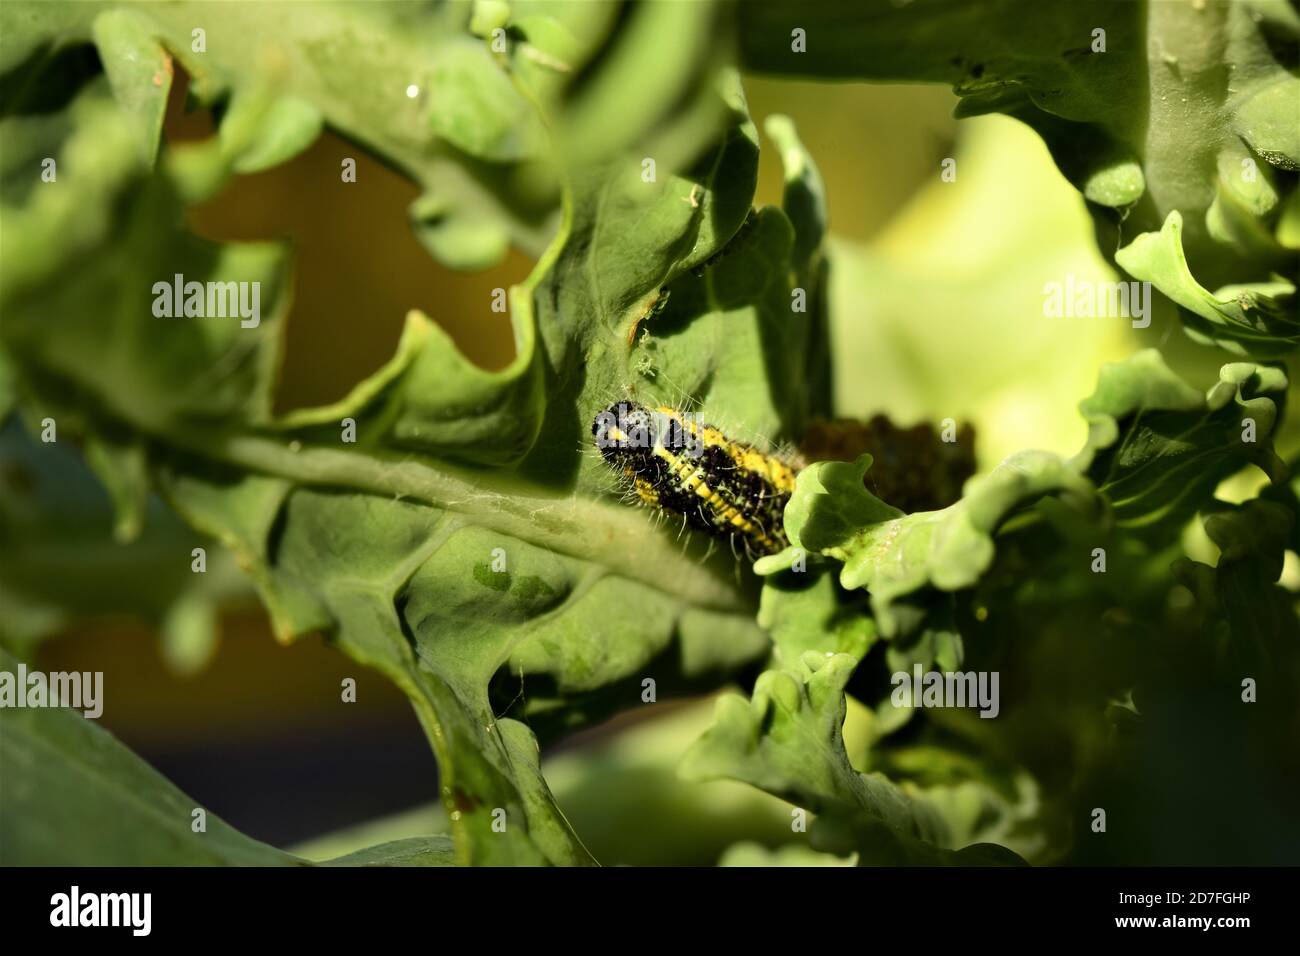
[(678, 465)]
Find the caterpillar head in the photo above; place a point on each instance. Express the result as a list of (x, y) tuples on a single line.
[(626, 435)]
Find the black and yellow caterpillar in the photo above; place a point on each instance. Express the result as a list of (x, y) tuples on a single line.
[(679, 465)]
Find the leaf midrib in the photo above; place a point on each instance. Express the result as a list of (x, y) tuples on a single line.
[(615, 537)]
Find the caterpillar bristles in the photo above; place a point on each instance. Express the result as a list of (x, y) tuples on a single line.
[(674, 463)]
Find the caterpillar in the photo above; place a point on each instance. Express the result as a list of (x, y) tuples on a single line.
[(677, 464)]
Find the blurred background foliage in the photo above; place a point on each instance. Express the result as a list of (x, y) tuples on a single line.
[(934, 316)]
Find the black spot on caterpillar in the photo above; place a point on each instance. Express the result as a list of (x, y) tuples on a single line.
[(679, 465)]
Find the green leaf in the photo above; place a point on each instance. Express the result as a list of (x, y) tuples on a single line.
[(177, 366), (61, 563), (1023, 540), (1035, 67), (489, 118), (1248, 319), (792, 854), (629, 775), (7, 395), (1157, 448), (465, 544), (1132, 98), (1248, 617), (1265, 122), (190, 635), (412, 851), (62, 221), (805, 611), (1155, 452), (123, 470), (891, 554), (805, 196), (788, 741), (139, 70), (1288, 223), (261, 130), (667, 54), (74, 796), (465, 122)]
